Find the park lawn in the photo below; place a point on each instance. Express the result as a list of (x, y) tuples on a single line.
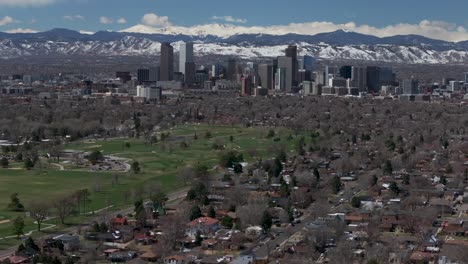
[(159, 162)]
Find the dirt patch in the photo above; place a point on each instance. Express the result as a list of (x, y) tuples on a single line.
[(93, 146), (4, 221)]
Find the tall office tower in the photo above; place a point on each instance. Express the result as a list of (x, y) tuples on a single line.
[(154, 74), (186, 56), (359, 78), (246, 86), (291, 52), (216, 70), (265, 72), (167, 62), (410, 87), (308, 62), (231, 70), (287, 64), (280, 79), (387, 77), (454, 86), (201, 76), (346, 72), (330, 72), (466, 77), (143, 75), (373, 79), (190, 72), (318, 77)]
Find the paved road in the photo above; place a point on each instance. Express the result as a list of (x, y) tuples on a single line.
[(172, 197)]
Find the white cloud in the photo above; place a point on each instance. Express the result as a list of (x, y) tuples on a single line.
[(23, 3), (86, 32), (6, 20), (431, 29), (154, 20), (21, 30), (74, 17), (105, 20), (121, 21), (230, 19)]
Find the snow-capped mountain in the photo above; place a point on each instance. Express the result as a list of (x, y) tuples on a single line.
[(335, 45)]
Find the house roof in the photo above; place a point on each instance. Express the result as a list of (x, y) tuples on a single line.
[(421, 256), (111, 250), (354, 218), (175, 257), (119, 221), (149, 255), (205, 221), (15, 259)]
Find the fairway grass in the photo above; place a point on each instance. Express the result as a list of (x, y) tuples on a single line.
[(159, 162)]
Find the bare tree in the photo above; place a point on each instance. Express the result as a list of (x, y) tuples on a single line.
[(64, 206), (251, 213), (39, 211)]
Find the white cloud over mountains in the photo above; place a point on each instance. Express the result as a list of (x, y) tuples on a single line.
[(23, 3), (152, 23), (21, 30), (6, 20), (154, 20), (230, 19), (105, 20), (74, 18)]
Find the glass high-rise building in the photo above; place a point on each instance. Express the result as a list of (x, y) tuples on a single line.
[(167, 62), (185, 56)]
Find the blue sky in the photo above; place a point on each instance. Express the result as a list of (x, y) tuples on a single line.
[(95, 15)]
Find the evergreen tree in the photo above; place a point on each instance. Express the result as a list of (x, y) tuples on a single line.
[(195, 213), (211, 212), (4, 163), (267, 221), (388, 168), (18, 226), (336, 184)]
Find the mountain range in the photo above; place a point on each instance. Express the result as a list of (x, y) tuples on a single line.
[(333, 45)]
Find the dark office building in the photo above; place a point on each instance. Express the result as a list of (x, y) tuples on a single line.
[(265, 72), (247, 88), (231, 70), (167, 62), (143, 75), (154, 74), (346, 72), (304, 75), (123, 76), (291, 52), (387, 77), (373, 79), (190, 72), (201, 76)]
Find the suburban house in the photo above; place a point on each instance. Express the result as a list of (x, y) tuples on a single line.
[(15, 260), (204, 225), (174, 260), (70, 243), (118, 221)]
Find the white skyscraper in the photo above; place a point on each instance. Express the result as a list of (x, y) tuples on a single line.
[(185, 55)]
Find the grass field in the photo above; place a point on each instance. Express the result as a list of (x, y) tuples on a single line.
[(160, 163)]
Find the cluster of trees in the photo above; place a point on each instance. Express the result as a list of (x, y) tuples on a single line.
[(63, 206)]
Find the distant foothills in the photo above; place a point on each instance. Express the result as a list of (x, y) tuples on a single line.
[(339, 44)]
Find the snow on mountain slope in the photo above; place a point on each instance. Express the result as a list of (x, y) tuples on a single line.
[(140, 46)]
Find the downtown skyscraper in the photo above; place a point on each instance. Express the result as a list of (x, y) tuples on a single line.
[(185, 55), (167, 62)]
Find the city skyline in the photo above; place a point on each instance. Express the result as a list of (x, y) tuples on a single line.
[(365, 17)]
